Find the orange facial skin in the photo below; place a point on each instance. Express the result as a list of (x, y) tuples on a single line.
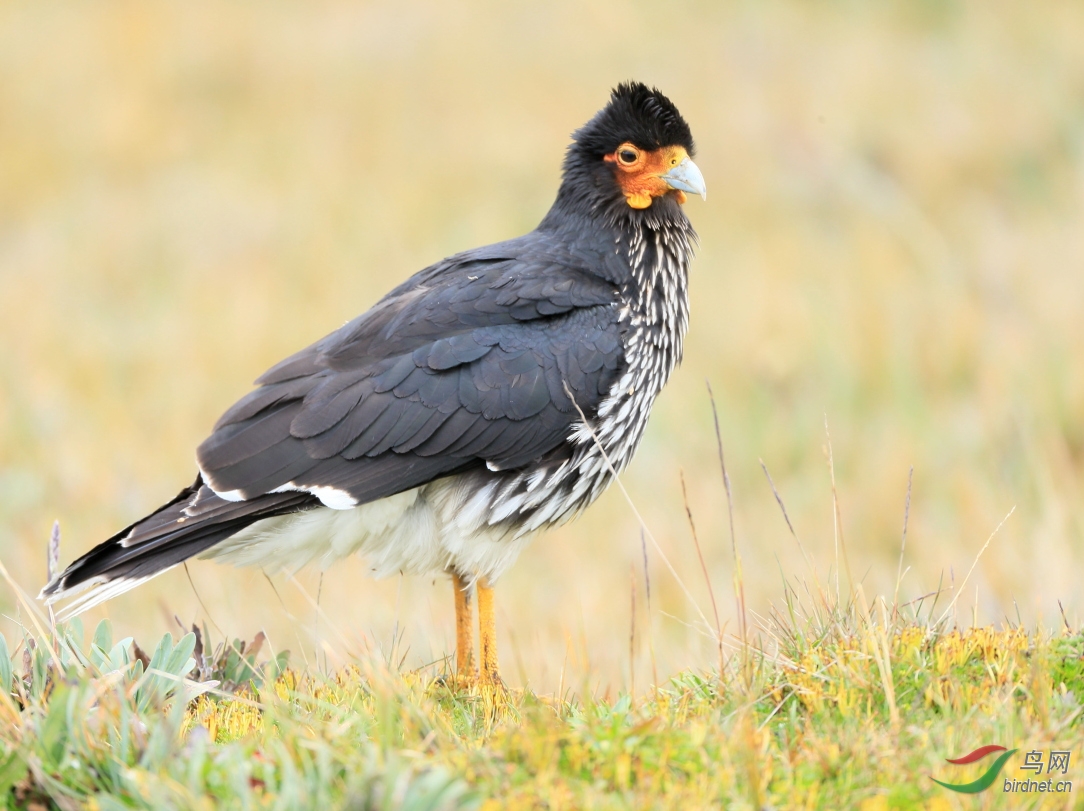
[(639, 172)]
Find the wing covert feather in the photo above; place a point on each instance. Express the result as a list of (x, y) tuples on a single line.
[(465, 365)]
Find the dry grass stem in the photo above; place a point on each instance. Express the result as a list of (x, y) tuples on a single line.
[(632, 631), (837, 520), (974, 563), (903, 541), (790, 526), (704, 569), (738, 577), (650, 630), (636, 512)]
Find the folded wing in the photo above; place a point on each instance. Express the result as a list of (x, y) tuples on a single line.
[(473, 365)]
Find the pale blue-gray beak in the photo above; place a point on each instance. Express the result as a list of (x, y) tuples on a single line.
[(686, 177)]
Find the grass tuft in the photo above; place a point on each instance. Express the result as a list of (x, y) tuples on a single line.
[(834, 706)]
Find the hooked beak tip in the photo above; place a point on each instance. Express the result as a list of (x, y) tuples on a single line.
[(687, 177)]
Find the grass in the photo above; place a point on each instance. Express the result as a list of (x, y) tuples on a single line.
[(191, 192), (832, 707)]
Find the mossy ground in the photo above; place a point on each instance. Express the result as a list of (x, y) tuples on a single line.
[(841, 709)]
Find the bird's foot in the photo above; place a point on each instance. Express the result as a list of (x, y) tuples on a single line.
[(484, 685), (473, 683), (461, 682), (490, 679)]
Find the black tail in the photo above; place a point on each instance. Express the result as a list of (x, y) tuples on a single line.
[(191, 523)]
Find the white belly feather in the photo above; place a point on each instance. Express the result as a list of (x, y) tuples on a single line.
[(426, 530)]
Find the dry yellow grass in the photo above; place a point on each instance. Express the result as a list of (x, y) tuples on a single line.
[(893, 242)]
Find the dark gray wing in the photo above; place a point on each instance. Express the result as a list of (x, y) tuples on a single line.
[(467, 364)]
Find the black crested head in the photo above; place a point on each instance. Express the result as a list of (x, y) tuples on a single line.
[(638, 114), (631, 161)]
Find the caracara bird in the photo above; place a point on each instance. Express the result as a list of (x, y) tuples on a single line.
[(489, 396)]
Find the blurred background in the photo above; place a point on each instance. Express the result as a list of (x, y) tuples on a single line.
[(893, 247)]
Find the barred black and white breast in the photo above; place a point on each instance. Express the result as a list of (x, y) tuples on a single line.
[(487, 397)]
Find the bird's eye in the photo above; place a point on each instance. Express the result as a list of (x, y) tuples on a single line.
[(627, 156)]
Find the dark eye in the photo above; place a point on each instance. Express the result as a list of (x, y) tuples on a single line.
[(627, 156)]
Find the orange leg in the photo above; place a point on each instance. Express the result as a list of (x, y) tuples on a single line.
[(464, 630), (487, 626)]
